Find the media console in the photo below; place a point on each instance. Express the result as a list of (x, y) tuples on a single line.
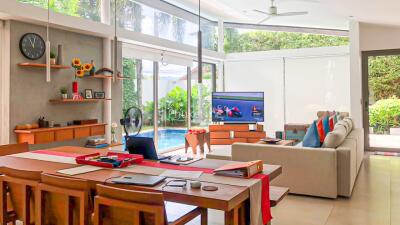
[(227, 134)]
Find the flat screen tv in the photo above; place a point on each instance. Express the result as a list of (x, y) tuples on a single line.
[(238, 107)]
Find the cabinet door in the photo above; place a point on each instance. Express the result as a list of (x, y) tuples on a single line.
[(64, 135), (44, 137), (98, 130), (81, 132)]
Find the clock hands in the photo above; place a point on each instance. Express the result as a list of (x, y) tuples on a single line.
[(30, 40), (34, 41)]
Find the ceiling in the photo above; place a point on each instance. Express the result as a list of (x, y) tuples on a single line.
[(331, 14)]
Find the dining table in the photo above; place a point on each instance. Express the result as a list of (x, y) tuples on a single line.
[(233, 200)]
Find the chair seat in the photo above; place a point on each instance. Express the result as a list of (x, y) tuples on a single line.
[(176, 211)]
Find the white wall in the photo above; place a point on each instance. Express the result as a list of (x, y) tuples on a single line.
[(4, 82), (314, 79)]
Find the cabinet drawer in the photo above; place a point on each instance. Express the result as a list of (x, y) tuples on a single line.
[(97, 130), (64, 135), (219, 135), (44, 137), (82, 132), (250, 134)]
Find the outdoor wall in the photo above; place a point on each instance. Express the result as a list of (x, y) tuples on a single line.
[(297, 83), (30, 93)]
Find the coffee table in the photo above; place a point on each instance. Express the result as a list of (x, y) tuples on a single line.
[(282, 142)]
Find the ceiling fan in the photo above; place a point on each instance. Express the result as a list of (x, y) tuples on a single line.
[(273, 12)]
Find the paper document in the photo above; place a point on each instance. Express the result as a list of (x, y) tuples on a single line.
[(79, 170)]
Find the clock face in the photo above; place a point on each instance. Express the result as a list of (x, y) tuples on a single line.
[(32, 46)]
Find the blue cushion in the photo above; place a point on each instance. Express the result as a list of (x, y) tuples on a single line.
[(325, 123), (312, 138)]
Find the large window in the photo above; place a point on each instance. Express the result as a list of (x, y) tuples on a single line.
[(89, 9), (248, 40)]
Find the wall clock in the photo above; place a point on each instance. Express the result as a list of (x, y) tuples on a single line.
[(32, 46)]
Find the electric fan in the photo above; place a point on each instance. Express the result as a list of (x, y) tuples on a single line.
[(132, 122)]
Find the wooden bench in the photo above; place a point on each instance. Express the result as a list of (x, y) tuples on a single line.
[(276, 194)]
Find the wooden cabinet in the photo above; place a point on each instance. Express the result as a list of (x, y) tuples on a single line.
[(48, 135), (228, 134)]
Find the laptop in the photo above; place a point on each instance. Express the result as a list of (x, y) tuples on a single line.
[(142, 146), (139, 179)]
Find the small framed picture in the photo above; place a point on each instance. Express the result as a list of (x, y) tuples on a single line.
[(99, 94), (88, 93)]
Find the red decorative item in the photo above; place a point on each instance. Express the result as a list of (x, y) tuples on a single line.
[(75, 87), (127, 160), (197, 131)]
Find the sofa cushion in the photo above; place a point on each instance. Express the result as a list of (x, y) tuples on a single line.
[(344, 124), (312, 139), (335, 138), (331, 123), (320, 129), (325, 122), (349, 122)]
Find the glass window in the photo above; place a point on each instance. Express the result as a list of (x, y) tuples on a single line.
[(89, 9), (248, 40)]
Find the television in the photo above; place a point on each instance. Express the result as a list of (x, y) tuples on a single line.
[(238, 107)]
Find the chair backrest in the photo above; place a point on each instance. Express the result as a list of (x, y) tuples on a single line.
[(113, 206), (63, 200), (17, 192), (13, 149)]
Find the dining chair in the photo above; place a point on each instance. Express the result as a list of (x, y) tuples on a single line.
[(116, 206), (63, 200), (13, 149), (17, 192)]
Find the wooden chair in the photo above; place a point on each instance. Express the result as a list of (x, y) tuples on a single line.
[(116, 206), (63, 200), (17, 191), (13, 149)]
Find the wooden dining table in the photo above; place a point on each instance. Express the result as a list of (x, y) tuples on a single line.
[(229, 198)]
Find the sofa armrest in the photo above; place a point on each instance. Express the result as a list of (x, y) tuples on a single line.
[(309, 171), (347, 166)]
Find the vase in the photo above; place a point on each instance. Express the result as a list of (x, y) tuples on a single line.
[(114, 138), (52, 61), (60, 59), (64, 96), (75, 87)]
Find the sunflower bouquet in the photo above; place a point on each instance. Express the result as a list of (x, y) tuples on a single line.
[(81, 70)]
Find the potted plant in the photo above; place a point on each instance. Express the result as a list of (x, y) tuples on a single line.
[(64, 92), (52, 58)]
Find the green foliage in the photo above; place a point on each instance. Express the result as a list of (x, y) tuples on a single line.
[(129, 94), (384, 76), (385, 114), (266, 40), (173, 107)]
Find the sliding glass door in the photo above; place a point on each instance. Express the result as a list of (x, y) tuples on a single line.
[(172, 106), (381, 94)]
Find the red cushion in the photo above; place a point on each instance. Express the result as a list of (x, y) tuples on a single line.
[(321, 132), (331, 123)]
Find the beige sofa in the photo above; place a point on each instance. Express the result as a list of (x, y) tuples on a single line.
[(323, 172)]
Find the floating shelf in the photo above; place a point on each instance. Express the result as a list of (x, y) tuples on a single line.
[(123, 78), (60, 101), (100, 76), (40, 65)]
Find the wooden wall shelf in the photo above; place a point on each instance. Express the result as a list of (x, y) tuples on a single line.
[(54, 134), (100, 76), (40, 65), (63, 101)]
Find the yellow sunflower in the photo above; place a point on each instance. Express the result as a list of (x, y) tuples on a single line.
[(76, 62), (87, 67), (80, 73)]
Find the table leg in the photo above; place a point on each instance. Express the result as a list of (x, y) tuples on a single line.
[(235, 216)]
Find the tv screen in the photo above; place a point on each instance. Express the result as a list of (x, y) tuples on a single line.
[(238, 107)]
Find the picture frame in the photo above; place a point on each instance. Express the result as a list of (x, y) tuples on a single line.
[(99, 95), (89, 93)]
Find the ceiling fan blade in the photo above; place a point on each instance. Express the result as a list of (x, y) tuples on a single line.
[(265, 19), (262, 12), (292, 14)]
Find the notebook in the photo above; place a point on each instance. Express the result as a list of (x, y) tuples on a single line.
[(139, 179)]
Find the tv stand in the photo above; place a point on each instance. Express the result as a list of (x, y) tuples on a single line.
[(227, 134)]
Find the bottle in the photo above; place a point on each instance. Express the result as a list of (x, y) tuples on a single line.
[(91, 72)]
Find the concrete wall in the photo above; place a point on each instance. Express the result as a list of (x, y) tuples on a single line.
[(30, 94)]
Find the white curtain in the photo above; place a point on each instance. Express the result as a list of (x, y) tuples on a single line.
[(4, 83)]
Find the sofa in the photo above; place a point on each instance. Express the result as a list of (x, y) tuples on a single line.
[(323, 172)]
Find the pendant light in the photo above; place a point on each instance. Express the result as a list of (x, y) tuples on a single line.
[(199, 50), (115, 43), (48, 46)]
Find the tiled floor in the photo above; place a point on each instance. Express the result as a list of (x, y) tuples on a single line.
[(375, 200)]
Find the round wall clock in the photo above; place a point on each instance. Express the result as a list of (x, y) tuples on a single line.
[(32, 46)]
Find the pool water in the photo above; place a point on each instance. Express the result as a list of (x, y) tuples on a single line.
[(167, 138)]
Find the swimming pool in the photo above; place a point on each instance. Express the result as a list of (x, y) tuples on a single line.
[(167, 138)]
